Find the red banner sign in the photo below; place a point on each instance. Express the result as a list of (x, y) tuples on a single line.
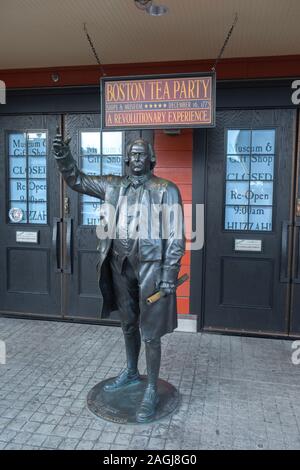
[(158, 102)]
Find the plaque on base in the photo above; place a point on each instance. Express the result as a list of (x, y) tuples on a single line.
[(120, 406)]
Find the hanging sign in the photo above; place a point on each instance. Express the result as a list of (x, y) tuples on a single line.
[(158, 102)]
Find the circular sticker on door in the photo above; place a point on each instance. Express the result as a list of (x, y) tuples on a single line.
[(16, 214)]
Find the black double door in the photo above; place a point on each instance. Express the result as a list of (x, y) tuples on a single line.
[(252, 227), (252, 267), (48, 236)]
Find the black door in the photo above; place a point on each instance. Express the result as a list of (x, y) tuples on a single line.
[(96, 153), (249, 219), (48, 232), (295, 265), (29, 217)]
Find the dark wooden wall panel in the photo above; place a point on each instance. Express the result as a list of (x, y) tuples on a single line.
[(28, 270), (231, 68)]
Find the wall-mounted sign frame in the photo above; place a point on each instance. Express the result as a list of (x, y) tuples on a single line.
[(158, 101)]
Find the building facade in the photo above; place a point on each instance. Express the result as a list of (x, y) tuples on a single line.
[(244, 174)]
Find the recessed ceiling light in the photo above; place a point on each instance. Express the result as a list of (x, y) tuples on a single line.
[(157, 10), (142, 4), (151, 8)]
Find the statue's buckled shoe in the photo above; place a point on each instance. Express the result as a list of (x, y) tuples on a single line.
[(123, 379), (147, 408)]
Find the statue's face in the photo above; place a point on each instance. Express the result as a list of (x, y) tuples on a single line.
[(139, 160)]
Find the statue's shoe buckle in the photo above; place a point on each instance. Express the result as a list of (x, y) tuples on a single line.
[(122, 380)]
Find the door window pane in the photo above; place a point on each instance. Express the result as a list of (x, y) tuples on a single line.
[(262, 167), (101, 154), (263, 141), (27, 177), (37, 213), (112, 143), (249, 179), (37, 190), (238, 167), (37, 167), (112, 165), (260, 218), (237, 192), (90, 213), (36, 142), (17, 144), (18, 189), (90, 164), (238, 142), (261, 193), (236, 217), (17, 167), (90, 143)]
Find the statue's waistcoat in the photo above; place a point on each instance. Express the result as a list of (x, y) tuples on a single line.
[(150, 249)]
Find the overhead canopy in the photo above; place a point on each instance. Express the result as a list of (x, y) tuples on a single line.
[(43, 33)]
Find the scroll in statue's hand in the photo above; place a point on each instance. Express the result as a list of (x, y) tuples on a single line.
[(60, 146)]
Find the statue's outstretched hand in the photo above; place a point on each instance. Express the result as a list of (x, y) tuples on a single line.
[(60, 146)]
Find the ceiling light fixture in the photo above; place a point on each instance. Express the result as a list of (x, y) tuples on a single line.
[(157, 10), (142, 4), (151, 8)]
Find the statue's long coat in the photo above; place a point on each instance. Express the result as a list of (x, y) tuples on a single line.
[(164, 254)]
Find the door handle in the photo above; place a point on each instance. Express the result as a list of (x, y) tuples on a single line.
[(296, 277), (69, 248), (56, 255), (284, 277)]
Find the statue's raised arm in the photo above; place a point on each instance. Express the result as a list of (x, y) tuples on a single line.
[(75, 178)]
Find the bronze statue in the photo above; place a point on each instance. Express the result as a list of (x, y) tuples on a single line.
[(132, 269)]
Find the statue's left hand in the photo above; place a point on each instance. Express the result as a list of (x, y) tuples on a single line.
[(167, 287)]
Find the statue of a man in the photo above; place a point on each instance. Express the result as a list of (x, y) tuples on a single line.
[(138, 266)]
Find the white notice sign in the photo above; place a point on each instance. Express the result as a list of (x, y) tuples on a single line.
[(27, 237), (247, 245)]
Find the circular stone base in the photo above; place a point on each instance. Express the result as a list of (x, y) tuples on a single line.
[(120, 406)]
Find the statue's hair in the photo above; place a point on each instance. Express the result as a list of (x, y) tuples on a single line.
[(147, 145)]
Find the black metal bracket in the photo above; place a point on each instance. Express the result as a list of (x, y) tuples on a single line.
[(56, 254), (296, 277), (284, 276), (68, 269)]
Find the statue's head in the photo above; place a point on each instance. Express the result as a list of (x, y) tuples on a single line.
[(140, 157)]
